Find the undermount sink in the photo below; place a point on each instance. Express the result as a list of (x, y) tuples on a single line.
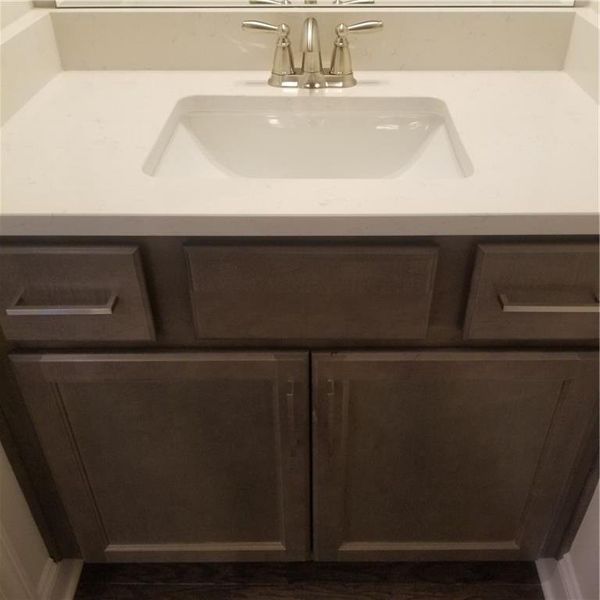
[(309, 137)]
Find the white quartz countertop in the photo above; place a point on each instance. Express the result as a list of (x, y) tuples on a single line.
[(72, 162)]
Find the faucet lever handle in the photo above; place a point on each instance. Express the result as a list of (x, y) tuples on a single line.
[(342, 29), (341, 62), (352, 2), (282, 29), (272, 2), (283, 60)]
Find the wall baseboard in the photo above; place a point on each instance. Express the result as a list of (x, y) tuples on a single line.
[(47, 580), (59, 580), (558, 579), (569, 578)]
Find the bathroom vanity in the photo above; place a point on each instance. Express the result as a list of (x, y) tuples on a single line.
[(281, 399), (351, 324)]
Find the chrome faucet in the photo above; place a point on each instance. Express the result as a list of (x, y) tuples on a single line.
[(311, 73)]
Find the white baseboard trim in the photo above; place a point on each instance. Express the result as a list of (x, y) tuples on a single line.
[(550, 579), (569, 578), (47, 579), (59, 581), (558, 579)]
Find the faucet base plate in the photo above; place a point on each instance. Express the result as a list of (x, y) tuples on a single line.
[(302, 81)]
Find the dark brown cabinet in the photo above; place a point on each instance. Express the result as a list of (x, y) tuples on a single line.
[(304, 292), (74, 294), (197, 443), (534, 292), (440, 455), (177, 456), (416, 455)]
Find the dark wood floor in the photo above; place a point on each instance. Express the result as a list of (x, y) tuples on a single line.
[(311, 581)]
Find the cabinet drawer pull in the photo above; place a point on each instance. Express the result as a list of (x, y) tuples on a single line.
[(547, 307), (19, 309)]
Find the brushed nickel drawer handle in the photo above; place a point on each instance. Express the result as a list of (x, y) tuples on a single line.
[(19, 309), (538, 307)]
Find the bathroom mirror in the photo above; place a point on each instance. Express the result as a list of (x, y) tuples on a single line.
[(311, 4)]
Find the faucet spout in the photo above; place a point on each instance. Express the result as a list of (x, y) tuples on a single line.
[(312, 64), (310, 36)]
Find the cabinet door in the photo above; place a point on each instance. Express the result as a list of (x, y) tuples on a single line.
[(445, 455), (160, 457)]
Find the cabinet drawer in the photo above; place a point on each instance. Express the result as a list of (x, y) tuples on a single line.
[(311, 292), (535, 292), (73, 294)]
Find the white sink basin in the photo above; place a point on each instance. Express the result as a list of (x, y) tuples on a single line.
[(309, 137)]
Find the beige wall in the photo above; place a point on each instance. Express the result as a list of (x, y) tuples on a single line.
[(30, 42), (10, 10)]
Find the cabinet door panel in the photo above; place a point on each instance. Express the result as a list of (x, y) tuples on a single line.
[(176, 456), (442, 455), (314, 292)]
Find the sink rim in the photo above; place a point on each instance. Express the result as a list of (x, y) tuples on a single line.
[(198, 103)]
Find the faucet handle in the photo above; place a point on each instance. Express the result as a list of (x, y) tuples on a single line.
[(282, 29), (352, 2), (273, 2), (341, 30), (283, 61), (341, 62)]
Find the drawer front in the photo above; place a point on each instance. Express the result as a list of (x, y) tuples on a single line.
[(534, 292), (311, 292), (73, 294)]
